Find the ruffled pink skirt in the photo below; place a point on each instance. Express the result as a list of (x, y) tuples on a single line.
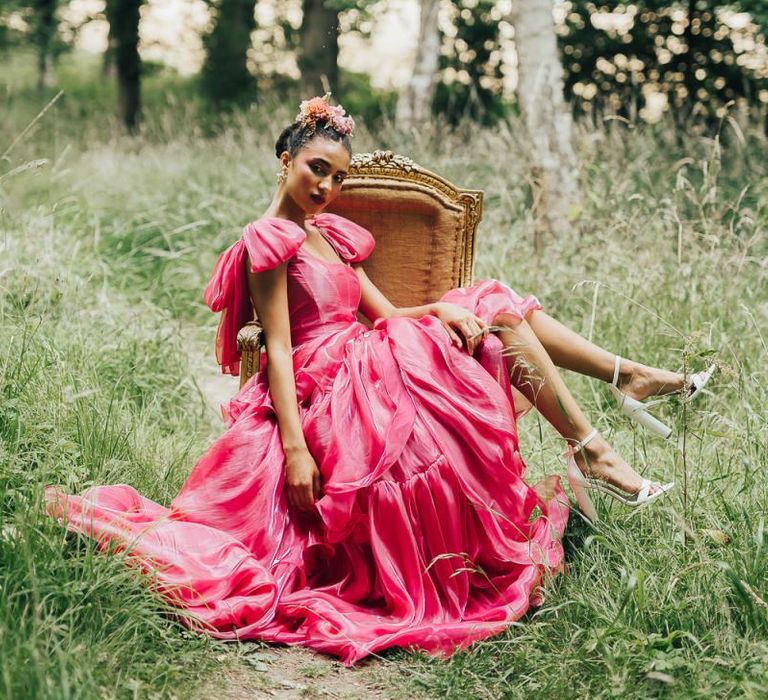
[(426, 536)]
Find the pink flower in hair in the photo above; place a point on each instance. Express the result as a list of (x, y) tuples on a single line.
[(316, 107), (319, 109)]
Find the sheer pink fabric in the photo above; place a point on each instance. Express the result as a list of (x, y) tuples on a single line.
[(426, 535)]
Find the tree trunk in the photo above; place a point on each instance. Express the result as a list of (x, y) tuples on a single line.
[(546, 118), (123, 16), (319, 50), (414, 103), (108, 70), (226, 77), (44, 33)]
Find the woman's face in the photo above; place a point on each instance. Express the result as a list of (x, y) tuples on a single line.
[(315, 173)]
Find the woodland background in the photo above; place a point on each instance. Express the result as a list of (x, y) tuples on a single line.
[(621, 148)]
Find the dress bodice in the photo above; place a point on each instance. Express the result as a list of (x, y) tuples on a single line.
[(323, 295)]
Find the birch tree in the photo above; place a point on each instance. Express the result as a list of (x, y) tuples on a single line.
[(546, 118), (414, 103)]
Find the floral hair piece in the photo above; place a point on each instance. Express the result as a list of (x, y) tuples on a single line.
[(320, 109)]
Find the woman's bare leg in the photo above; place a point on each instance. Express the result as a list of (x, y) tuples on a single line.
[(572, 351), (533, 372)]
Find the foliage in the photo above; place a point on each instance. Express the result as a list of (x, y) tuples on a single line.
[(280, 42), (758, 10), (368, 104), (225, 78), (35, 22), (616, 55), (471, 64), (10, 34)]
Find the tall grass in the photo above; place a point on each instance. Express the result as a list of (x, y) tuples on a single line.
[(106, 248), (94, 389)]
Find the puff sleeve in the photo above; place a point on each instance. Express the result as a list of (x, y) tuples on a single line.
[(270, 242), (267, 243), (353, 243)]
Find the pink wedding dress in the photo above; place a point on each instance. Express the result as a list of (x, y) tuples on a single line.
[(426, 536)]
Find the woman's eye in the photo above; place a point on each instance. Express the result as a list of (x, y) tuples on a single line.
[(317, 168), (339, 178)]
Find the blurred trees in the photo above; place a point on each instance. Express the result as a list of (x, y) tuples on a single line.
[(225, 76), (758, 10), (319, 47), (547, 121), (123, 17), (414, 103), (44, 33), (471, 63), (318, 42), (634, 58), (41, 22), (693, 54)]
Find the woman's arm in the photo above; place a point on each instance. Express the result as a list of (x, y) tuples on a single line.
[(459, 322), (269, 292)]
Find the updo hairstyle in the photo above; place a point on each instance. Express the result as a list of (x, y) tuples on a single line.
[(294, 137)]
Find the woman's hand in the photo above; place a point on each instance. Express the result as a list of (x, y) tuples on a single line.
[(461, 325), (302, 479)]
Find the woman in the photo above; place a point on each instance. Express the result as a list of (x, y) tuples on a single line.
[(368, 491)]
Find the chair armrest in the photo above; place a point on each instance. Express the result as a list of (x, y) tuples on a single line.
[(250, 340)]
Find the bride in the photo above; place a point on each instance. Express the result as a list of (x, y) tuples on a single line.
[(369, 491)]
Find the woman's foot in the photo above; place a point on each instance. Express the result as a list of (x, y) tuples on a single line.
[(641, 381), (599, 461)]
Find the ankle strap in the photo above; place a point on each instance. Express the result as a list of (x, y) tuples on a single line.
[(579, 446), (616, 371)]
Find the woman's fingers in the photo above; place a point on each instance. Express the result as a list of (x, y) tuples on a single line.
[(305, 497), (301, 496), (474, 330), (307, 500), (455, 337)]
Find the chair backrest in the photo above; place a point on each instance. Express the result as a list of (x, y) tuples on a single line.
[(423, 225)]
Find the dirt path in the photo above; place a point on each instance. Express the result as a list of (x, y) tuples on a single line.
[(292, 672), (252, 670)]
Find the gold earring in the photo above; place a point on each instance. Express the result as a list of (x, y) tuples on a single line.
[(282, 176)]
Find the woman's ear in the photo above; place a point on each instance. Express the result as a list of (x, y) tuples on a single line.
[(285, 159)]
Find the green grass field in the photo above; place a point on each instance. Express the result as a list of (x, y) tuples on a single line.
[(106, 245)]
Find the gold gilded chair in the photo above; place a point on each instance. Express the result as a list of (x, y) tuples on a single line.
[(424, 229)]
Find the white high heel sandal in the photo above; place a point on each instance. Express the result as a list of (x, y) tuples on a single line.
[(699, 381), (636, 410), (581, 484)]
